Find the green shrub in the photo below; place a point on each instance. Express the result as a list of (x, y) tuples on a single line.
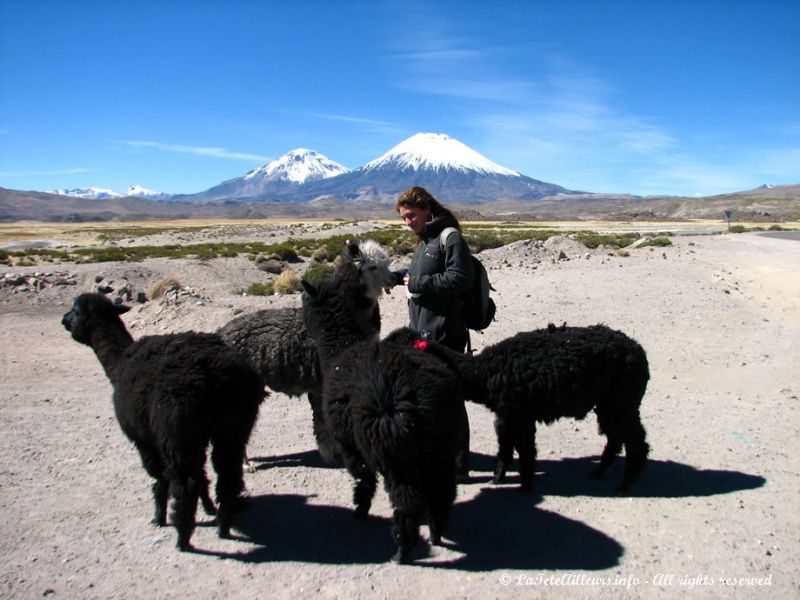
[(657, 241), (260, 289), (737, 229), (318, 271), (617, 240)]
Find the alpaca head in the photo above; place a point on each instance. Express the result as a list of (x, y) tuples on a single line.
[(373, 265), (339, 309), (90, 311)]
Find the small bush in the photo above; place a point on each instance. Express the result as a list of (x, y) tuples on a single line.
[(260, 289), (738, 229), (657, 241), (593, 240), (287, 282), (318, 271), (321, 255), (162, 286)]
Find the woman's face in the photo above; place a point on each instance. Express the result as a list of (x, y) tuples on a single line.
[(415, 218)]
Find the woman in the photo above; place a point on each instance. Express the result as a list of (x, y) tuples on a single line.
[(440, 271)]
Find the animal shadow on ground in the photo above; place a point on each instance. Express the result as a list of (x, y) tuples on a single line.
[(286, 527), (525, 537), (661, 479), (307, 458)]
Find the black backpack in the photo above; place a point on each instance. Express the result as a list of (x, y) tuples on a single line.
[(477, 307)]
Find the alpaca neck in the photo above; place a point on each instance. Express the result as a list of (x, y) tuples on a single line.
[(108, 344), (333, 343)]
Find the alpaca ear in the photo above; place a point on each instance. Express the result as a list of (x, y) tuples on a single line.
[(351, 249), (121, 309), (309, 288)]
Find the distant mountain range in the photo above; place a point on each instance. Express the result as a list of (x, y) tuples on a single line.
[(450, 170), (94, 193), (305, 183)]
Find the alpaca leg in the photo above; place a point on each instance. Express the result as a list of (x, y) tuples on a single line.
[(409, 510), (151, 461), (366, 482), (525, 443), (208, 504), (325, 443), (186, 491), (160, 498), (462, 447), (505, 452), (608, 426), (636, 451), (440, 495), (226, 457)]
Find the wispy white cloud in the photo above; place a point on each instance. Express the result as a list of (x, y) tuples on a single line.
[(198, 150), (46, 173), (375, 125)]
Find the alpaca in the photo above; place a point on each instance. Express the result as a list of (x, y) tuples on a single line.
[(277, 344), (391, 409), (544, 375), (173, 395)]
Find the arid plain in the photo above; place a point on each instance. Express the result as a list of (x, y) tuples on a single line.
[(712, 517)]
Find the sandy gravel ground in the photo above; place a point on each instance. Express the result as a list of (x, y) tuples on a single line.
[(714, 515)]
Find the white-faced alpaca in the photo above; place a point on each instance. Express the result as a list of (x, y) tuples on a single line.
[(392, 410), (277, 344), (173, 395), (544, 375)]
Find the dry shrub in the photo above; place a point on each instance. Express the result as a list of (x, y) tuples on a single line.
[(162, 286), (321, 255), (287, 282)]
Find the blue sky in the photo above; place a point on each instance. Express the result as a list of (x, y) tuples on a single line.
[(687, 97)]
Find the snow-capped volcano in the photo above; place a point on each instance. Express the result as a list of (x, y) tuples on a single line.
[(437, 151), (298, 166), (450, 170), (277, 180), (137, 191)]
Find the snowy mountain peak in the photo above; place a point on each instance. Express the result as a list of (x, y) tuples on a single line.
[(298, 166), (92, 193), (438, 151), (137, 191)]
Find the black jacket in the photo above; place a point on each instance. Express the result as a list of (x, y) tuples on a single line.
[(439, 275)]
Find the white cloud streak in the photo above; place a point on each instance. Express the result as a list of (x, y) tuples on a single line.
[(46, 173), (197, 150)]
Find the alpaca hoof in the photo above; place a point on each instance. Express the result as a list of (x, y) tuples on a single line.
[(248, 467), (401, 557), (185, 546), (158, 521)]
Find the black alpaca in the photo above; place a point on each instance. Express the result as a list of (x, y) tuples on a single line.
[(277, 344), (544, 375), (173, 395), (391, 408)]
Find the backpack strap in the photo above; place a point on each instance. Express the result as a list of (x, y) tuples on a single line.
[(444, 235)]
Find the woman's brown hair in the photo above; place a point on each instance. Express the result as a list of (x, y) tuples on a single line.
[(419, 197)]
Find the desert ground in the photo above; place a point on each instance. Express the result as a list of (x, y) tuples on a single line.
[(713, 516)]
